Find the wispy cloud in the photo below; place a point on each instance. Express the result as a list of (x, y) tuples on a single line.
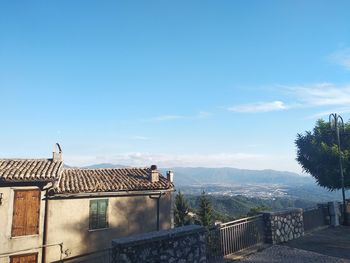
[(199, 115), (235, 160), (166, 118), (341, 57), (327, 112), (259, 107), (139, 137), (318, 95), (321, 94), (172, 160)]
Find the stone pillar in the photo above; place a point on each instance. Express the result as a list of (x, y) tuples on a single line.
[(284, 225), (334, 212)]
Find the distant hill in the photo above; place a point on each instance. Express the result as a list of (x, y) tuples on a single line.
[(104, 165), (233, 176), (238, 206), (226, 176)]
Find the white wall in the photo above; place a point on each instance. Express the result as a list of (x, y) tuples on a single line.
[(10, 244)]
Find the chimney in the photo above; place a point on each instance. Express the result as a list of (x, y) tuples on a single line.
[(170, 176), (57, 153), (154, 174)]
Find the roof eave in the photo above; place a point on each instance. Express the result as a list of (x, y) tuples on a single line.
[(110, 194)]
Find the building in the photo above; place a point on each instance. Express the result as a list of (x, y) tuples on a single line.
[(49, 212)]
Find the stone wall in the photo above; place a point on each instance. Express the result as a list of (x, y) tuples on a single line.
[(182, 244), (284, 225)]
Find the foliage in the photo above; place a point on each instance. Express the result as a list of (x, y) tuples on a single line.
[(228, 208), (205, 212), (318, 155), (181, 210), (256, 210)]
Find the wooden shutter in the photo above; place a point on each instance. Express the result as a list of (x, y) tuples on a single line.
[(33, 212), (98, 214), (26, 210), (28, 258), (19, 214), (102, 213), (93, 214)]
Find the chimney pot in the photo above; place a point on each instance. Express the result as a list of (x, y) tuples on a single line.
[(154, 174), (57, 153), (170, 176)]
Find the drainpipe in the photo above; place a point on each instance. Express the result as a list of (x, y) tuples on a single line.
[(43, 254)]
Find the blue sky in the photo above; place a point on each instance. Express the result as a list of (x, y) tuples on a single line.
[(175, 83)]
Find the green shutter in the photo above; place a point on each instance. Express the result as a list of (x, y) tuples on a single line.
[(98, 214), (102, 213), (93, 214)]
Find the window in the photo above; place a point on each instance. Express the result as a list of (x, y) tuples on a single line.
[(26, 209), (98, 214), (28, 258)]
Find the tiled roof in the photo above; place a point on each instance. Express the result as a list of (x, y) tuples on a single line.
[(28, 170), (108, 180)]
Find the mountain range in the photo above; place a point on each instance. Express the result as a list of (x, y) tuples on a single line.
[(197, 176)]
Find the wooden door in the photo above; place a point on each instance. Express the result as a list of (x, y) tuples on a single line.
[(27, 258)]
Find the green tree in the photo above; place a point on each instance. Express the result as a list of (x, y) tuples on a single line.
[(318, 155), (256, 210), (180, 210), (205, 210)]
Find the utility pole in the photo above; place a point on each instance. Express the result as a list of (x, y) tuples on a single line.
[(335, 121)]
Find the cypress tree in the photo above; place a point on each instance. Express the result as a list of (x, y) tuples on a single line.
[(180, 210), (205, 210)]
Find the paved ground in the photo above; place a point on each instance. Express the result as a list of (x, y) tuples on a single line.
[(333, 241), (330, 245), (285, 254)]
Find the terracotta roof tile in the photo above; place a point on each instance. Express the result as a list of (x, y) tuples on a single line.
[(79, 180), (28, 170), (74, 180)]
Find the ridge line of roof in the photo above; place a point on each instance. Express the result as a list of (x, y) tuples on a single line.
[(27, 159), (107, 168)]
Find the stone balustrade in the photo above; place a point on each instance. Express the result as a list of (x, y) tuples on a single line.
[(182, 244), (284, 225)]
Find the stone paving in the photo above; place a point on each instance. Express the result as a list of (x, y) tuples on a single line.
[(332, 241), (330, 245), (278, 253)]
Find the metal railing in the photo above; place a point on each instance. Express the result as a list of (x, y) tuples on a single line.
[(99, 256), (234, 236), (241, 234), (314, 218)]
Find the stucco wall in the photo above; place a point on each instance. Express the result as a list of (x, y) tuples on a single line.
[(10, 244), (69, 222)]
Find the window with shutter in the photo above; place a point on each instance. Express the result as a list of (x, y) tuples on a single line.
[(26, 210), (98, 214), (27, 258)]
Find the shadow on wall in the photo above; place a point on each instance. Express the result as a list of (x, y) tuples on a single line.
[(127, 216)]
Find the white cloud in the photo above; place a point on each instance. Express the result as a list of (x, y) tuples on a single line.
[(166, 118), (341, 57), (139, 137), (259, 107), (236, 160), (199, 115), (321, 94), (203, 115), (328, 112)]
